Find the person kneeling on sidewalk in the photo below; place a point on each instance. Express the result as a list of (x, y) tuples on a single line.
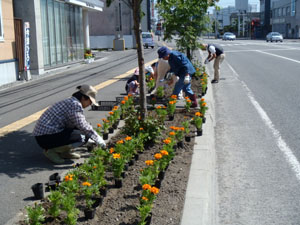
[(63, 126)]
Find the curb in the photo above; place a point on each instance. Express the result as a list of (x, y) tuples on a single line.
[(200, 203)]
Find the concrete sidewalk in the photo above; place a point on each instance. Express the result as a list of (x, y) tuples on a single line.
[(200, 202)]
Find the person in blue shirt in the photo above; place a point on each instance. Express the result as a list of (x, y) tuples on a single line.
[(183, 68)]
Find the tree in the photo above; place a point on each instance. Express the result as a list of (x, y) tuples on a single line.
[(185, 18), (135, 5)]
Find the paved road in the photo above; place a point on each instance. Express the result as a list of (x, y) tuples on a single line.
[(21, 161), (257, 133)]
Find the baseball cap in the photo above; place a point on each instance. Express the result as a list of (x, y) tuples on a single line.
[(137, 72), (89, 91), (163, 51)]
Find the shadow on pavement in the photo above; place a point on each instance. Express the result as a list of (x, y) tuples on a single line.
[(20, 155)]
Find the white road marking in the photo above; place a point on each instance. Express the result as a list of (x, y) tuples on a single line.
[(270, 49), (282, 145), (279, 56)]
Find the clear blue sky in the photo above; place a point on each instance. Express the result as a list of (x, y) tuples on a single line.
[(225, 3)]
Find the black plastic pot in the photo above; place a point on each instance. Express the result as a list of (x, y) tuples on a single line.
[(126, 167), (136, 157), (103, 191), (203, 119), (161, 175), (180, 144), (98, 202), (118, 183), (148, 219), (38, 190), (55, 176), (123, 174), (131, 162), (171, 117), (115, 125), (53, 184), (199, 132), (157, 183), (187, 138), (105, 136), (110, 130), (89, 214)]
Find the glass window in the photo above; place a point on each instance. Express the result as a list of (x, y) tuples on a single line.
[(284, 11), (293, 8), (58, 32), (279, 11), (1, 24), (288, 11), (45, 36)]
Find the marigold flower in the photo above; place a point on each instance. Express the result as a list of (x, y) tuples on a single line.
[(154, 190), (176, 128), (115, 107), (116, 156), (86, 184), (146, 187), (129, 95), (139, 118), (158, 107), (111, 150), (151, 78), (120, 142), (174, 96), (202, 99), (197, 69), (158, 156), (203, 104), (123, 102), (167, 141), (186, 98), (172, 102), (128, 138), (141, 128), (68, 178), (164, 107), (197, 114), (149, 162), (145, 198), (172, 133), (99, 125), (126, 98), (181, 128), (172, 127), (94, 167), (164, 152), (111, 113)]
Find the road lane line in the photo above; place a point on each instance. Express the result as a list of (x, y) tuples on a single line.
[(282, 145), (17, 125), (279, 56)]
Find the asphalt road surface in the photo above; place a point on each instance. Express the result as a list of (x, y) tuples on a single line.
[(257, 133)]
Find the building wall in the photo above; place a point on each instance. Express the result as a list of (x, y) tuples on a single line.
[(7, 46)]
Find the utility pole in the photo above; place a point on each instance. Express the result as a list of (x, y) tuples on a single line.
[(216, 26), (239, 23)]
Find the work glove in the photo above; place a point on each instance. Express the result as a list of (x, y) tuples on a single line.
[(187, 79), (206, 61), (101, 142)]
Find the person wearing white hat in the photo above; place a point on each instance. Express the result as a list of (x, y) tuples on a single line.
[(63, 126)]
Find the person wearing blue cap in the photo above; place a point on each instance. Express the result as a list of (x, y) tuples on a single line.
[(183, 68)]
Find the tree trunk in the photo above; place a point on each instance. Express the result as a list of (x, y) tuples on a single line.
[(140, 51), (188, 53)]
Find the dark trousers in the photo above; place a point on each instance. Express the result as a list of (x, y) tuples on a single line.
[(66, 137)]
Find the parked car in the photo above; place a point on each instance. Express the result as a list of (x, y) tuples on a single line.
[(229, 36), (158, 32), (274, 36), (147, 40)]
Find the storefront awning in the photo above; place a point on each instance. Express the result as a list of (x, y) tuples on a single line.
[(93, 5)]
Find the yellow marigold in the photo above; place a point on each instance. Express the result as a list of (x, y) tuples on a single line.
[(99, 125), (111, 150), (154, 190), (149, 162), (172, 133), (141, 128), (128, 138), (123, 102), (120, 142), (145, 198), (86, 184), (203, 104), (167, 141), (111, 113), (158, 107), (164, 152), (116, 156), (146, 187), (197, 114), (158, 156), (126, 98)]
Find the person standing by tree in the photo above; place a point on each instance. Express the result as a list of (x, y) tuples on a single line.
[(183, 68), (215, 52)]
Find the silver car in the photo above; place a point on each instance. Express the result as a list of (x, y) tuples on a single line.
[(274, 36), (229, 36), (147, 40)]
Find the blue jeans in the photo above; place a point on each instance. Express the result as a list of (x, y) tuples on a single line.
[(181, 86)]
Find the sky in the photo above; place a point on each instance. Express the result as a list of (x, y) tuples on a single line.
[(225, 3)]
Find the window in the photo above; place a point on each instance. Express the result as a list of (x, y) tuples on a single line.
[(1, 24), (279, 11), (284, 11)]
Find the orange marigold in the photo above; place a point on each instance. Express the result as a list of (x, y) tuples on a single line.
[(146, 187), (129, 95), (181, 128), (158, 107), (164, 152), (149, 162), (111, 113), (94, 167), (116, 156), (111, 150), (172, 127), (197, 114), (123, 102), (128, 138), (187, 98), (202, 100), (120, 142), (141, 128), (126, 98), (172, 133), (154, 190), (145, 198), (173, 96), (68, 178), (167, 141), (115, 107), (158, 156), (99, 125), (86, 184), (203, 104)]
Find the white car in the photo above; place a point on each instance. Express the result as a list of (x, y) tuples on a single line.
[(229, 36), (274, 36), (147, 40)]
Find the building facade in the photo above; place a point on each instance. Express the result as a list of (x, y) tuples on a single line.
[(59, 30), (286, 18), (8, 62)]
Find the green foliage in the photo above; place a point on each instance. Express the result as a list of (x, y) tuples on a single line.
[(186, 19), (35, 215), (68, 205), (55, 199), (160, 92)]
